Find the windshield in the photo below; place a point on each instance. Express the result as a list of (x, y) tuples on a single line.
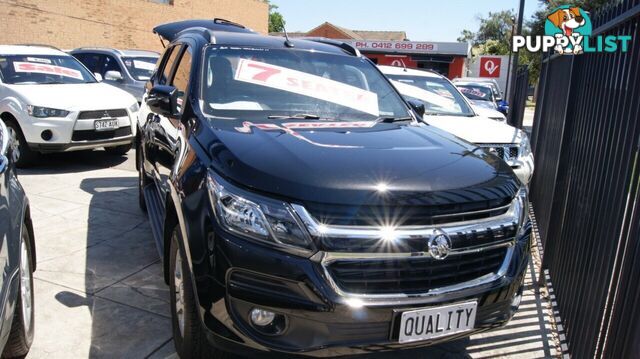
[(43, 69), (140, 68), (438, 95), (260, 82), (476, 92)]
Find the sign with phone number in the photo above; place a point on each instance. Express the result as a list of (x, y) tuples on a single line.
[(410, 46)]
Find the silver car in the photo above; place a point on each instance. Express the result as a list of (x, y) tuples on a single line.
[(126, 69)]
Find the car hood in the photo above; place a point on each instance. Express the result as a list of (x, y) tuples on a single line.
[(485, 104), (349, 162), (488, 112), (477, 129), (74, 97)]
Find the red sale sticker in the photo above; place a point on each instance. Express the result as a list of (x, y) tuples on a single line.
[(46, 69), (282, 78)]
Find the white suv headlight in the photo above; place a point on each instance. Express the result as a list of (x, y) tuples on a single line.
[(42, 112), (525, 145), (134, 108), (257, 217)]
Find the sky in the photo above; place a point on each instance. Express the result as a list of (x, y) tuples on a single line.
[(423, 20)]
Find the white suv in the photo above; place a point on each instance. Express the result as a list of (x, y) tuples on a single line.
[(448, 109), (51, 103)]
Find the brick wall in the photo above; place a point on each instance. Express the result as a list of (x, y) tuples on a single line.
[(125, 24)]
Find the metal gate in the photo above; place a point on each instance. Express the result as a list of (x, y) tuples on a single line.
[(517, 106), (585, 189)]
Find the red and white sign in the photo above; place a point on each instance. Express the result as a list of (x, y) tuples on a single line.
[(490, 66), (46, 69), (302, 83), (397, 60)]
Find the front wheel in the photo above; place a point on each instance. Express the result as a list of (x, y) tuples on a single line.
[(188, 334), (118, 150), (21, 335), (23, 156)]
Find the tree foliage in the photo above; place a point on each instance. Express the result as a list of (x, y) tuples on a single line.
[(276, 20), (494, 33)]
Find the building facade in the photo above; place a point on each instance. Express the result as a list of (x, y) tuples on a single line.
[(393, 48), (124, 24)]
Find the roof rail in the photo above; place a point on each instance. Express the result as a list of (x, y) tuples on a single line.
[(39, 45), (98, 48), (343, 45), (220, 21)]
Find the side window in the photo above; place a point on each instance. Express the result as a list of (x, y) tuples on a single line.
[(181, 77), (90, 60), (110, 64), (168, 64)]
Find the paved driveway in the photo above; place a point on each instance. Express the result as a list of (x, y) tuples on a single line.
[(98, 287)]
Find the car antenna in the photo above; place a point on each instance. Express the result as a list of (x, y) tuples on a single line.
[(287, 42)]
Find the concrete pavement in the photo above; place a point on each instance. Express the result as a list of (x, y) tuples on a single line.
[(98, 287)]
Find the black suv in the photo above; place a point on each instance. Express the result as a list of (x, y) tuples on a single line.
[(300, 206)]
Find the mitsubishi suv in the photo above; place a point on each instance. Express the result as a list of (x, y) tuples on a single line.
[(50, 102), (301, 206)]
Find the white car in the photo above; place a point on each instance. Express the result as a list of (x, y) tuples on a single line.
[(449, 110), (51, 103)]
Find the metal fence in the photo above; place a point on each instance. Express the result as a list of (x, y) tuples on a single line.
[(585, 190), (517, 106)]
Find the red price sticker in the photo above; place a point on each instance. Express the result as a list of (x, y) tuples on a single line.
[(46, 69)]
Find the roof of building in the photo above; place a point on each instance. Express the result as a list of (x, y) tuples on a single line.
[(352, 34), (30, 50)]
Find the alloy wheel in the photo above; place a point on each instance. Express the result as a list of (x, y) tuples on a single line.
[(14, 144), (178, 282), (25, 285)]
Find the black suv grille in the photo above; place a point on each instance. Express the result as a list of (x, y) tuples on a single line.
[(413, 275), (91, 135), (86, 115)]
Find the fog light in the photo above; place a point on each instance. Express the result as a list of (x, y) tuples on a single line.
[(46, 135), (261, 317), (515, 302)]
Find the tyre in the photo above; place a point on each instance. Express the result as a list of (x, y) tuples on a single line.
[(118, 150), (21, 335), (142, 180), (188, 334), (23, 156)]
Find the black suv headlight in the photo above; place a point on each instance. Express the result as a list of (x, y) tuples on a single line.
[(257, 217)]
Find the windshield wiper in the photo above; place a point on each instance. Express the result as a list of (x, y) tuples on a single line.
[(304, 116), (391, 119)]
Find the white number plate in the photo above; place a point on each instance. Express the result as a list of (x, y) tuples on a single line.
[(105, 125), (423, 324)]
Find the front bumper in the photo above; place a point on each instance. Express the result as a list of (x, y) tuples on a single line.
[(64, 133), (321, 321)]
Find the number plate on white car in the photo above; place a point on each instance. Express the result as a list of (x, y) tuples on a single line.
[(423, 324), (105, 125)]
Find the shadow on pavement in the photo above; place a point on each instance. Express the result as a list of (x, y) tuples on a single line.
[(74, 162)]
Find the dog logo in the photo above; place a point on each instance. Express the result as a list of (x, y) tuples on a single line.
[(568, 24)]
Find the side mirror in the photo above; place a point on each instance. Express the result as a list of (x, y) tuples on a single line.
[(97, 76), (113, 76), (162, 100), (417, 107)]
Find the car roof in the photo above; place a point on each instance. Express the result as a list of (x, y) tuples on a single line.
[(30, 50), (395, 70), (276, 42), (475, 79), (141, 53), (473, 83)]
